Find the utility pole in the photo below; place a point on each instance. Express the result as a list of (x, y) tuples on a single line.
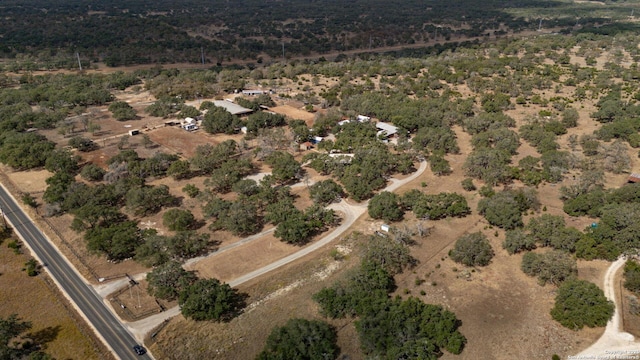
[(202, 54), (79, 63), (540, 25)]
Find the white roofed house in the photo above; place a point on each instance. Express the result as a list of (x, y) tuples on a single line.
[(386, 130)]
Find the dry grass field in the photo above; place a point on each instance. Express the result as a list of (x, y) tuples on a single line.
[(63, 334)]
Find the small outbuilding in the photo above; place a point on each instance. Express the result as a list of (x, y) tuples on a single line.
[(385, 227), (633, 178), (307, 145)]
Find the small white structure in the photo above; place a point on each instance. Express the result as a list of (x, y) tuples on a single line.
[(316, 139), (362, 118), (343, 122), (190, 124), (253, 92), (134, 132), (385, 227)]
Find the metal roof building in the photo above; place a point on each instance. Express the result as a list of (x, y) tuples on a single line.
[(232, 107), (386, 129)]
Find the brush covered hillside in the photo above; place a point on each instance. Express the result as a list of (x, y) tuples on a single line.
[(46, 34)]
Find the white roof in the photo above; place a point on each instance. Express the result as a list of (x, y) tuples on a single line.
[(386, 127), (231, 107)]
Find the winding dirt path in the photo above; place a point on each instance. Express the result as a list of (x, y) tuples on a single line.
[(614, 343), (352, 212)]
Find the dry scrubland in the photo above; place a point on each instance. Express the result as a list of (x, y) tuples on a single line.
[(504, 313)]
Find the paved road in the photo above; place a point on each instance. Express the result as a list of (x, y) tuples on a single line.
[(83, 297)]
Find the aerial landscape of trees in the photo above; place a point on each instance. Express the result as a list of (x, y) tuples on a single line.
[(525, 137)]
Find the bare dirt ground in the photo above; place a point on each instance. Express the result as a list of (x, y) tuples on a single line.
[(36, 299), (294, 113), (179, 141)]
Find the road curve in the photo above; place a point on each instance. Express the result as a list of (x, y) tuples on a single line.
[(88, 303), (614, 341), (351, 213)]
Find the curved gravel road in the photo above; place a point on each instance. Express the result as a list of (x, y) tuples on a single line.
[(351, 213)]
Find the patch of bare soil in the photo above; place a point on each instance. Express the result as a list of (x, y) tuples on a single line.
[(132, 302), (294, 113), (179, 141)]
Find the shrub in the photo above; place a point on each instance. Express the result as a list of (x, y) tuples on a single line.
[(301, 339), (92, 172), (467, 184), (472, 250), (191, 190), (554, 266), (178, 219)]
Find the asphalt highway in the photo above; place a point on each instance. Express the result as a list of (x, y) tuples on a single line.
[(86, 300)]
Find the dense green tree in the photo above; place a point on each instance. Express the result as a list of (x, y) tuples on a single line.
[(242, 218), (489, 165), (219, 120), (23, 151), (386, 206), (581, 303), (82, 144), (392, 256), (472, 250), (325, 192), (409, 329), (208, 299), (149, 199), (435, 140), (518, 240), (549, 230), (436, 206), (632, 276), (284, 167), (178, 219), (501, 210), (227, 174), (92, 172), (208, 157), (550, 267), (122, 111), (263, 120), (57, 187), (301, 339), (117, 240), (168, 280), (294, 228), (188, 111), (179, 170), (62, 160)]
